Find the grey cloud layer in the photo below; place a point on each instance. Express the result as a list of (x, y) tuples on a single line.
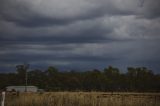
[(150, 9), (38, 13), (54, 12), (80, 33)]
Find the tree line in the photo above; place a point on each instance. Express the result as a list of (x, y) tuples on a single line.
[(139, 79)]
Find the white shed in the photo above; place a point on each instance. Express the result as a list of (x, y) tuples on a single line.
[(22, 88)]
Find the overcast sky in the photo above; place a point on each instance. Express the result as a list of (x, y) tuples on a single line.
[(80, 34)]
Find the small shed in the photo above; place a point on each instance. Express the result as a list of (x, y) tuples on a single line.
[(22, 88)]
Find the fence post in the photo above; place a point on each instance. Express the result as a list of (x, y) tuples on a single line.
[(3, 98)]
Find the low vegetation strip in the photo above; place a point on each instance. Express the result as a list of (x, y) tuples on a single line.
[(109, 79), (83, 99)]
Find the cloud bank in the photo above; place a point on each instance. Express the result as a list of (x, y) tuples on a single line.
[(79, 34)]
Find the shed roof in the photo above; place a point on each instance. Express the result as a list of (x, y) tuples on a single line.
[(21, 86)]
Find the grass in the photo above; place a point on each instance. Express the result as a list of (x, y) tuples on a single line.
[(83, 99)]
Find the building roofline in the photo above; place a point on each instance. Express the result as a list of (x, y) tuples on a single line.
[(21, 86)]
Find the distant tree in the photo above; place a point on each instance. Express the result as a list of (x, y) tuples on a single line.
[(131, 78), (113, 76), (137, 79), (144, 79), (51, 71), (37, 77), (52, 80), (21, 73)]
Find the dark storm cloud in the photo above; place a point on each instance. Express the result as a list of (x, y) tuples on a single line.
[(64, 57), (54, 57), (79, 34), (150, 9), (38, 13), (20, 13), (90, 31), (35, 21), (83, 56)]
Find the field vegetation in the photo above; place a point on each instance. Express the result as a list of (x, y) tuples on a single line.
[(83, 99)]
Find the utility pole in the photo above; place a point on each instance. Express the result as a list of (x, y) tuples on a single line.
[(26, 66), (26, 81)]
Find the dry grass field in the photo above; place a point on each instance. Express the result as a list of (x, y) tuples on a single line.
[(83, 99)]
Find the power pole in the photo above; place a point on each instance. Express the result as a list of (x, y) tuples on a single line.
[(26, 81), (26, 66)]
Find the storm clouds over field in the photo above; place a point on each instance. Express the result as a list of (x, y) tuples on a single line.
[(80, 34)]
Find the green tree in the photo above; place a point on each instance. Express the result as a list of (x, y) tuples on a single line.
[(21, 73), (51, 78), (113, 76)]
